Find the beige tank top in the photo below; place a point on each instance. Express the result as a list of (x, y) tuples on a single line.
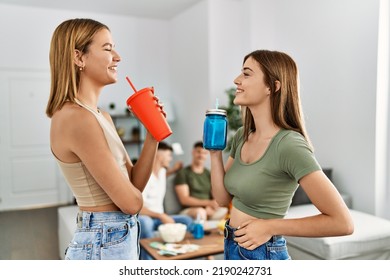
[(84, 187)]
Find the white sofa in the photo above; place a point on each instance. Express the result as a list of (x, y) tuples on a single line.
[(370, 240), (66, 227)]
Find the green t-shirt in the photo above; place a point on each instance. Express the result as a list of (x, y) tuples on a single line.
[(264, 188), (199, 184)]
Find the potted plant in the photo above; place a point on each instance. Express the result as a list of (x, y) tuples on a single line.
[(234, 116)]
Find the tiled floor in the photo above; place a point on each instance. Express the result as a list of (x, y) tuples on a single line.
[(29, 234)]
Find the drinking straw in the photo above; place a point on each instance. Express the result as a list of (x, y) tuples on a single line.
[(131, 84), (216, 103)]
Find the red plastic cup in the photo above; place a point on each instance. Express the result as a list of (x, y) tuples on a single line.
[(146, 109)]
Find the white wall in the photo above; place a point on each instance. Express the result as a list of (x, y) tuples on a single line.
[(26, 33), (195, 56), (228, 42), (335, 46), (142, 44), (144, 47), (382, 171), (204, 63), (189, 68)]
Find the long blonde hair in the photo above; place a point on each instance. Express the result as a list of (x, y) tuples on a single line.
[(285, 102), (71, 35)]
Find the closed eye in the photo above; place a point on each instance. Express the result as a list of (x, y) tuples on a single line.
[(246, 71), (108, 47)]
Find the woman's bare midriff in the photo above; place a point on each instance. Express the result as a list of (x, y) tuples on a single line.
[(102, 208), (237, 217)]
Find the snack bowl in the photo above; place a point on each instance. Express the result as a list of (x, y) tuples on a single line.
[(172, 233)]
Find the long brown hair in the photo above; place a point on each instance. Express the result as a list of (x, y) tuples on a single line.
[(285, 102), (71, 35)]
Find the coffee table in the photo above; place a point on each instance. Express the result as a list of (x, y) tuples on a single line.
[(210, 244)]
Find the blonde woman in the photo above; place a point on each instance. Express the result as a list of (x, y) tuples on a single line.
[(271, 154), (84, 141)]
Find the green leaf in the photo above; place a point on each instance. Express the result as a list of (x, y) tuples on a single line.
[(233, 113)]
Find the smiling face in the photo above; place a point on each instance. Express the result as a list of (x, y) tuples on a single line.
[(101, 60), (251, 88)]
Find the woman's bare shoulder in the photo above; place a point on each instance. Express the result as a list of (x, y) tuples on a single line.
[(73, 116)]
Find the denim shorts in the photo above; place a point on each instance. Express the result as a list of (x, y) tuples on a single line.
[(273, 249), (105, 236)]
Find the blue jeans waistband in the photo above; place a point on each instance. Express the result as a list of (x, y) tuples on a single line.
[(85, 218)]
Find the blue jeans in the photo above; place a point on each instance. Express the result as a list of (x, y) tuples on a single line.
[(150, 225), (273, 249), (104, 236)]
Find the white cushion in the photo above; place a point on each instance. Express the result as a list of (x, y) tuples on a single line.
[(66, 226), (371, 234)]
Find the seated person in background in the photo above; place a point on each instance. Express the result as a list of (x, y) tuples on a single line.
[(152, 213), (193, 188)]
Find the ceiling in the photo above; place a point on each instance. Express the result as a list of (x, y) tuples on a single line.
[(159, 9)]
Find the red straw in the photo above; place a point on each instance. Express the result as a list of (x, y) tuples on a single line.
[(131, 84)]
